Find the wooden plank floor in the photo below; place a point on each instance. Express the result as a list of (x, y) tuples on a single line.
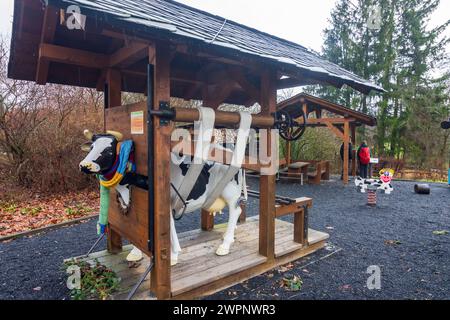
[(198, 265)]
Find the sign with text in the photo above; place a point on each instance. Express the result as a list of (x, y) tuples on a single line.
[(137, 122)]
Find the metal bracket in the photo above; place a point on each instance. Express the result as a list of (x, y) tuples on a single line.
[(164, 106)]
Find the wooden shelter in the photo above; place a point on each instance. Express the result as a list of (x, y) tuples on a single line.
[(165, 49), (342, 121)]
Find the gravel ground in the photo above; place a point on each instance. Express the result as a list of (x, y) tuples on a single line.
[(418, 267)]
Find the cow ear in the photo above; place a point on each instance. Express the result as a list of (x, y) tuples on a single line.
[(86, 147), (88, 134)]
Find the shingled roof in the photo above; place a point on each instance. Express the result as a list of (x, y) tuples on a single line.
[(181, 20)]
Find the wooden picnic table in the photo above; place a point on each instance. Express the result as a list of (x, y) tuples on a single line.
[(298, 169)]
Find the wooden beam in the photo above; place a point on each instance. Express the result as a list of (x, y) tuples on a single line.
[(346, 158), (335, 121), (335, 130), (114, 80), (114, 240), (128, 55), (160, 277), (244, 83), (220, 94), (101, 81), (268, 100), (353, 139), (51, 17), (207, 221), (77, 57)]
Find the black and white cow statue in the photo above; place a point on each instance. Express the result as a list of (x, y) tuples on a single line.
[(383, 184), (101, 157)]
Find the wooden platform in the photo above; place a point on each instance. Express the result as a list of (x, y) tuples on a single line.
[(200, 272)]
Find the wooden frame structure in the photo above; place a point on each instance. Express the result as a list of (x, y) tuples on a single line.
[(340, 120), (114, 53)]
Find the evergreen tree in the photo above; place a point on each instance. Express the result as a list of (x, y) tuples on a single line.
[(406, 58)]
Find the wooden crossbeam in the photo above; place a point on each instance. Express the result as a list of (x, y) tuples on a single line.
[(336, 121), (77, 57), (128, 55), (123, 58)]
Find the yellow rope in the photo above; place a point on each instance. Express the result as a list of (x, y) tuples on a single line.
[(113, 182), (116, 178)]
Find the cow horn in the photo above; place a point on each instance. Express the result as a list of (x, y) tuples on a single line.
[(88, 134), (116, 134)]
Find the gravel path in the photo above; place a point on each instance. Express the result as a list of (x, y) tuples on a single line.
[(416, 268)]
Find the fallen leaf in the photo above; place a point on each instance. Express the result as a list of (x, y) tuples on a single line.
[(37, 289), (392, 242), (440, 232), (292, 284), (285, 268)]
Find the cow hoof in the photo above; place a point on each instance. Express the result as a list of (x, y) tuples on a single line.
[(222, 251), (173, 261), (135, 255)]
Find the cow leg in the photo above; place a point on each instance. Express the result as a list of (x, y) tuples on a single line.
[(175, 248), (231, 195)]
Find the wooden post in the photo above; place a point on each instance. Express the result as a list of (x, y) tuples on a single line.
[(160, 277), (346, 158), (288, 157), (299, 227), (267, 182), (354, 150), (114, 81), (207, 221), (114, 99)]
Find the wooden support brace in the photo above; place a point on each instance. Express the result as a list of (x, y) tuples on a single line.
[(51, 17)]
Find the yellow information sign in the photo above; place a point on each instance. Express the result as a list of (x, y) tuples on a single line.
[(137, 122)]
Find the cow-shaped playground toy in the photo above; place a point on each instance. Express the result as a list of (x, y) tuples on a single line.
[(113, 161), (383, 184)]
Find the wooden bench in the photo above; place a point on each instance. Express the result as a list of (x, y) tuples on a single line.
[(321, 171), (296, 171), (300, 211)]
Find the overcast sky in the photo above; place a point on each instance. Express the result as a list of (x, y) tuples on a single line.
[(301, 21)]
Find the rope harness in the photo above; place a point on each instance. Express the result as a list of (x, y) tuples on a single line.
[(204, 128), (124, 164)]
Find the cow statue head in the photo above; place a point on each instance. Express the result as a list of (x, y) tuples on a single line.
[(102, 152)]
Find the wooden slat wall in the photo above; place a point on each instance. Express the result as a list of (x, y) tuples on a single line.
[(133, 226)]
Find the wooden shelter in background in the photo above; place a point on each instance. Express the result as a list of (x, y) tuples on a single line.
[(165, 49), (342, 121)]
